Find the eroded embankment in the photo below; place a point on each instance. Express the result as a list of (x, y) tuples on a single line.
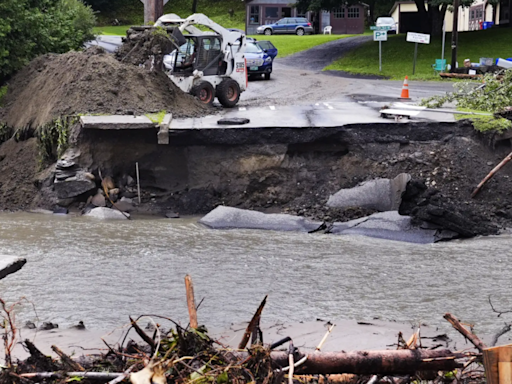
[(277, 169), (297, 169)]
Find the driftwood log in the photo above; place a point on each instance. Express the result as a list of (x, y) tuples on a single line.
[(373, 362), (467, 334)]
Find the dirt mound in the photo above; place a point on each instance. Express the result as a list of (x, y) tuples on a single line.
[(18, 167), (92, 82), (138, 46)]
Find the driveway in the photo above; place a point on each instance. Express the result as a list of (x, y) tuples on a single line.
[(299, 79)]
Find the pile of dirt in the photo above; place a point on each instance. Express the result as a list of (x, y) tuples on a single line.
[(139, 46), (18, 167), (90, 82)]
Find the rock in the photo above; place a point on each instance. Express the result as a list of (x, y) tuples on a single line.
[(74, 186), (60, 210), (10, 264), (124, 206), (29, 325), (108, 183), (98, 200), (129, 194), (172, 215), (130, 181), (229, 218), (48, 325), (66, 202), (89, 176), (379, 194), (127, 200), (79, 326), (104, 213), (114, 191)]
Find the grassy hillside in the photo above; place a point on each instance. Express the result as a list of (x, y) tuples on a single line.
[(397, 54), (133, 12)]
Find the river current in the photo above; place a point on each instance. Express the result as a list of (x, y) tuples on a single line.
[(101, 272)]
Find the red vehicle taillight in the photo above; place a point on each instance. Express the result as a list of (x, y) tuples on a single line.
[(309, 24)]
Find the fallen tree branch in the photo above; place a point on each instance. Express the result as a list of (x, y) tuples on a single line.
[(100, 376), (500, 333), (252, 324), (491, 174), (66, 360), (401, 361), (143, 335), (467, 334), (495, 310)]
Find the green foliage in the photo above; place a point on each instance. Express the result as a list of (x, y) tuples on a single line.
[(3, 92), (494, 96), (53, 138), (397, 54), (29, 28), (491, 123)]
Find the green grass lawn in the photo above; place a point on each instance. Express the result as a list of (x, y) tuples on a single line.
[(290, 44), (397, 54), (132, 12), (118, 30)]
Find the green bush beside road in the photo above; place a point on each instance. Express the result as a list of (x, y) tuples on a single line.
[(397, 54)]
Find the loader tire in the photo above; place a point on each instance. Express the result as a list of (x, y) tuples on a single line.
[(204, 92), (228, 93)]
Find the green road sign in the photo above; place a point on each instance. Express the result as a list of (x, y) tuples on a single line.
[(381, 28)]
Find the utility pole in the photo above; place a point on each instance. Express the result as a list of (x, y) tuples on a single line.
[(455, 33), (153, 9)]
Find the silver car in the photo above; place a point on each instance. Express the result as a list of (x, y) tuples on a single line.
[(299, 26)]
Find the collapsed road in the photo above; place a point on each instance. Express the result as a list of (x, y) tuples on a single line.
[(288, 159)]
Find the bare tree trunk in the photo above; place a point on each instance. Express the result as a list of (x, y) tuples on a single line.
[(424, 16), (194, 6)]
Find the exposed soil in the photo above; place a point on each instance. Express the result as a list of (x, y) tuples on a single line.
[(91, 82)]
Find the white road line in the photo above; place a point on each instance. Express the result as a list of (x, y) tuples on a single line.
[(272, 108), (330, 107), (317, 104), (242, 109)]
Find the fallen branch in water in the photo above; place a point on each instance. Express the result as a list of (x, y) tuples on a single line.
[(467, 334)]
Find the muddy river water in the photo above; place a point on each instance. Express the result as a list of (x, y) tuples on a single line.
[(101, 272)]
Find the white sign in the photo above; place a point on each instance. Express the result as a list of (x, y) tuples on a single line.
[(380, 35), (413, 37)]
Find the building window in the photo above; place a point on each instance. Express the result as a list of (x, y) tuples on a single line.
[(339, 13), (353, 13), (301, 14), (271, 12), (254, 15)]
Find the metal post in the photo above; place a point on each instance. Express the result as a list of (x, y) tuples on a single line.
[(380, 56), (415, 55), (444, 37), (455, 33), (138, 179)]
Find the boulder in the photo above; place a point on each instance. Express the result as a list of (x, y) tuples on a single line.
[(172, 215), (104, 213), (74, 186), (108, 183), (224, 217), (124, 206), (58, 210), (98, 200), (379, 194)]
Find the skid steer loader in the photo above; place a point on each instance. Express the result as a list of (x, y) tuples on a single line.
[(207, 64)]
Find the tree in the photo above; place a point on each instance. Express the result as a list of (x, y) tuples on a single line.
[(29, 28)]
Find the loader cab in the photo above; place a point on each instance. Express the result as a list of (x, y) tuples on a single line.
[(202, 53)]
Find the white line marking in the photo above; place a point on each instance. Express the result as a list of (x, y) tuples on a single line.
[(272, 108), (242, 109), (330, 107), (317, 104), (326, 104)]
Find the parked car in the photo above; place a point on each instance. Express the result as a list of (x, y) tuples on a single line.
[(260, 56), (387, 22), (297, 25)]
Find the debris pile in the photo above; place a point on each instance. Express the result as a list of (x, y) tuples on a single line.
[(90, 82), (189, 355)]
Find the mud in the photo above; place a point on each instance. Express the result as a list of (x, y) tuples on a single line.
[(92, 82)]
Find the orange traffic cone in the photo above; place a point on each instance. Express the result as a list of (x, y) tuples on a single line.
[(405, 89)]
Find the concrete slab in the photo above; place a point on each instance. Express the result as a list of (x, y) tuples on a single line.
[(10, 264), (117, 122)]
